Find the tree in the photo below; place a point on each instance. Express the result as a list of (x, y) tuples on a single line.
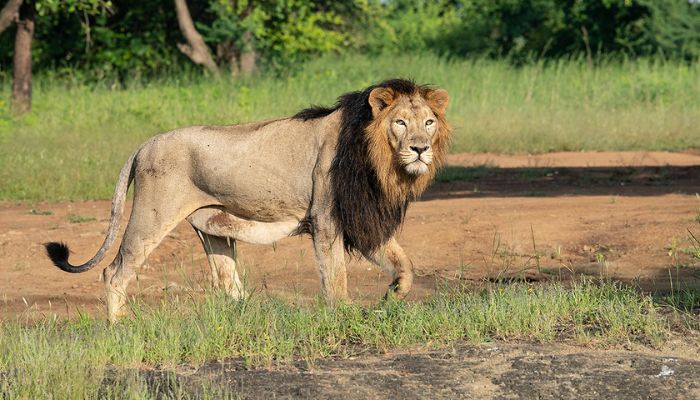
[(23, 13), (232, 33), (9, 13), (195, 48), (22, 63), (281, 31), (249, 57)]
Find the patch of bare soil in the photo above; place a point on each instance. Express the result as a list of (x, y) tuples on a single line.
[(561, 215), (495, 371)]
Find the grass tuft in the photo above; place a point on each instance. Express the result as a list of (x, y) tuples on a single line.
[(79, 219), (35, 211)]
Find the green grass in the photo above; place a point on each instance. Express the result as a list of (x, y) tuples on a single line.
[(35, 211), (77, 138), (69, 359), (79, 219)]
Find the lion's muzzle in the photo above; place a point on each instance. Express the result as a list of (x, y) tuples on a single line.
[(416, 159)]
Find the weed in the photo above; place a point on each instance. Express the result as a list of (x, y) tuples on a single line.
[(676, 248), (685, 300), (79, 219), (694, 250), (556, 253), (35, 211), (599, 257), (466, 219), (534, 193)]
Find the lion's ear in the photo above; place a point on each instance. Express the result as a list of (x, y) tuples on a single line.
[(380, 98), (437, 100)]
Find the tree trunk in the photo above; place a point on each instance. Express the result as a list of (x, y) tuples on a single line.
[(248, 54), (248, 57), (195, 48), (9, 13), (226, 52), (22, 83)]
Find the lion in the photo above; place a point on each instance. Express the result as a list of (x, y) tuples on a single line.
[(343, 174)]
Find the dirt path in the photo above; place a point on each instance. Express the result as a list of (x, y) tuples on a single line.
[(494, 371), (624, 215)]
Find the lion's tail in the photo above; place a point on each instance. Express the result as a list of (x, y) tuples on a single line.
[(58, 252)]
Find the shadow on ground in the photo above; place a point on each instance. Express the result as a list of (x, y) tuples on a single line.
[(485, 181), (497, 370)]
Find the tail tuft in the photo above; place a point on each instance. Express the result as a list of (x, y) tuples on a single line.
[(58, 253)]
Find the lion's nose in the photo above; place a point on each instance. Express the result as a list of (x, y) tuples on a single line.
[(419, 150)]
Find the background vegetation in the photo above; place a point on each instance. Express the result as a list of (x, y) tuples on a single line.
[(123, 39), (75, 141), (524, 75)]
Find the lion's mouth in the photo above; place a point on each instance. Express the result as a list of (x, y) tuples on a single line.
[(416, 167), (416, 163)]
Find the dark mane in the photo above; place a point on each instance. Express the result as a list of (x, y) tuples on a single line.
[(361, 210), (314, 112), (401, 86)]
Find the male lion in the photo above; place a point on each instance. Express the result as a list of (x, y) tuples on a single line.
[(343, 174)]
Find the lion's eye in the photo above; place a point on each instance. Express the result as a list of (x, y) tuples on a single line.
[(400, 122), (429, 122)]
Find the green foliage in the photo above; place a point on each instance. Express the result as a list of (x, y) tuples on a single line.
[(231, 22), (673, 29), (84, 7), (93, 40), (285, 31), (407, 26), (121, 39), (526, 29), (301, 30), (115, 52), (79, 219)]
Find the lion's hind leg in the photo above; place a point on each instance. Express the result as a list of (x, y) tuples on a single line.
[(222, 263), (392, 259), (149, 223)]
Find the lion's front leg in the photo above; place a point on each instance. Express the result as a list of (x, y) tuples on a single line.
[(392, 259), (330, 261)]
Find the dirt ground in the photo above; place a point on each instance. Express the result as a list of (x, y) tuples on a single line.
[(628, 216), (624, 215)]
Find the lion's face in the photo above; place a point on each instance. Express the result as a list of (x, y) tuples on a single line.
[(411, 130), (408, 138), (411, 123)]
